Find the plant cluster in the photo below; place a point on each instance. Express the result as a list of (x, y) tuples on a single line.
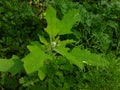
[(18, 27), (76, 48)]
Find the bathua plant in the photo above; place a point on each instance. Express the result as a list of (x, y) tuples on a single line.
[(52, 59), (51, 64)]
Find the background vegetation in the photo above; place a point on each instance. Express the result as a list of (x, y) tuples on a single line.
[(59, 44)]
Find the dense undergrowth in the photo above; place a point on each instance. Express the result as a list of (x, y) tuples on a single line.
[(59, 44)]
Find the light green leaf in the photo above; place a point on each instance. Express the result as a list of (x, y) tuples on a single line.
[(13, 65), (65, 42), (43, 40), (41, 74), (73, 60), (35, 59), (68, 21), (53, 23), (88, 57), (79, 57), (56, 26)]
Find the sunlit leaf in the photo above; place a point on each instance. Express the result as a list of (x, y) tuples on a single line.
[(73, 60), (56, 26), (35, 59), (89, 58), (53, 23), (68, 21)]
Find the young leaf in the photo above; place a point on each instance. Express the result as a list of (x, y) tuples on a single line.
[(53, 23), (68, 21), (43, 40), (56, 26), (35, 59), (41, 74)]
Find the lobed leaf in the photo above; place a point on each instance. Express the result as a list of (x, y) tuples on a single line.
[(68, 21), (88, 57), (53, 23), (73, 60), (35, 59), (13, 65), (56, 26)]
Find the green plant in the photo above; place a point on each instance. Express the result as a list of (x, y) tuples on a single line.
[(57, 61), (18, 27), (52, 58), (91, 33)]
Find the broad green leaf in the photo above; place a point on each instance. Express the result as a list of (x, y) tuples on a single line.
[(73, 60), (56, 26), (53, 23), (13, 65), (79, 57), (68, 21), (35, 59), (88, 57)]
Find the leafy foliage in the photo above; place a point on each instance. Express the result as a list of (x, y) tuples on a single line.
[(76, 48), (56, 26), (98, 37), (13, 65), (35, 60), (41, 60), (18, 26)]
